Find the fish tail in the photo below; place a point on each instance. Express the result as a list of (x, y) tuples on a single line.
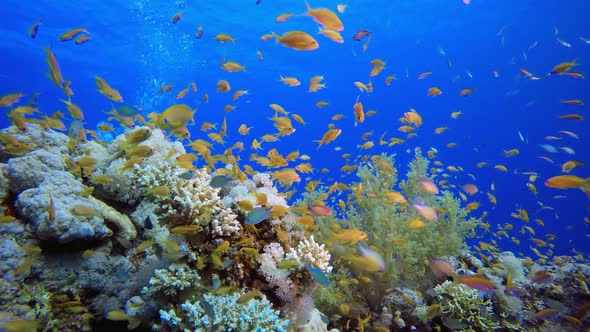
[(277, 37), (308, 7), (319, 145)]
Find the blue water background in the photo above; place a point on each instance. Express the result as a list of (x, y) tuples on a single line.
[(137, 49)]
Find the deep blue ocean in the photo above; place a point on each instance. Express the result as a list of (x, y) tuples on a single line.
[(137, 49)]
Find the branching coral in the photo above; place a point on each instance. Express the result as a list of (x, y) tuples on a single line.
[(466, 305), (171, 281), (274, 253), (224, 313), (311, 253), (189, 200)]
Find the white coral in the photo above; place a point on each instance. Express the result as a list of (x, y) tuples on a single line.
[(274, 253), (226, 224), (310, 252), (171, 281), (264, 185)]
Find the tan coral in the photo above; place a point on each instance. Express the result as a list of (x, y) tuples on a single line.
[(126, 229)]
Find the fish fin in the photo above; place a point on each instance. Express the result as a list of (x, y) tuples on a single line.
[(585, 187)]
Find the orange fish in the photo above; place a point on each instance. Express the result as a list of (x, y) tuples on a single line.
[(569, 165), (424, 75), (297, 40), (54, 71), (441, 268), (569, 182), (573, 74), (562, 67), (34, 29), (572, 102), (319, 210), (290, 81), (10, 99), (325, 17), (413, 117), (362, 33), (350, 236), (359, 114), (466, 92), (82, 39), (106, 90), (528, 75), (283, 17), (366, 44), (389, 79), (477, 282), (333, 35), (266, 37), (223, 86), (329, 136), (429, 186), (182, 93), (573, 116), (176, 17), (232, 67), (224, 38), (199, 32), (286, 176), (471, 189), (434, 91), (71, 34)]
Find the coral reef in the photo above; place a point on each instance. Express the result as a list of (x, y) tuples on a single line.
[(93, 233)]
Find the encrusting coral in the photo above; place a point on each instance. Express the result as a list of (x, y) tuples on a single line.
[(41, 182)]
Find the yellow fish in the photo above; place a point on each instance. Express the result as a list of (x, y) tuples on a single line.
[(350, 236)]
